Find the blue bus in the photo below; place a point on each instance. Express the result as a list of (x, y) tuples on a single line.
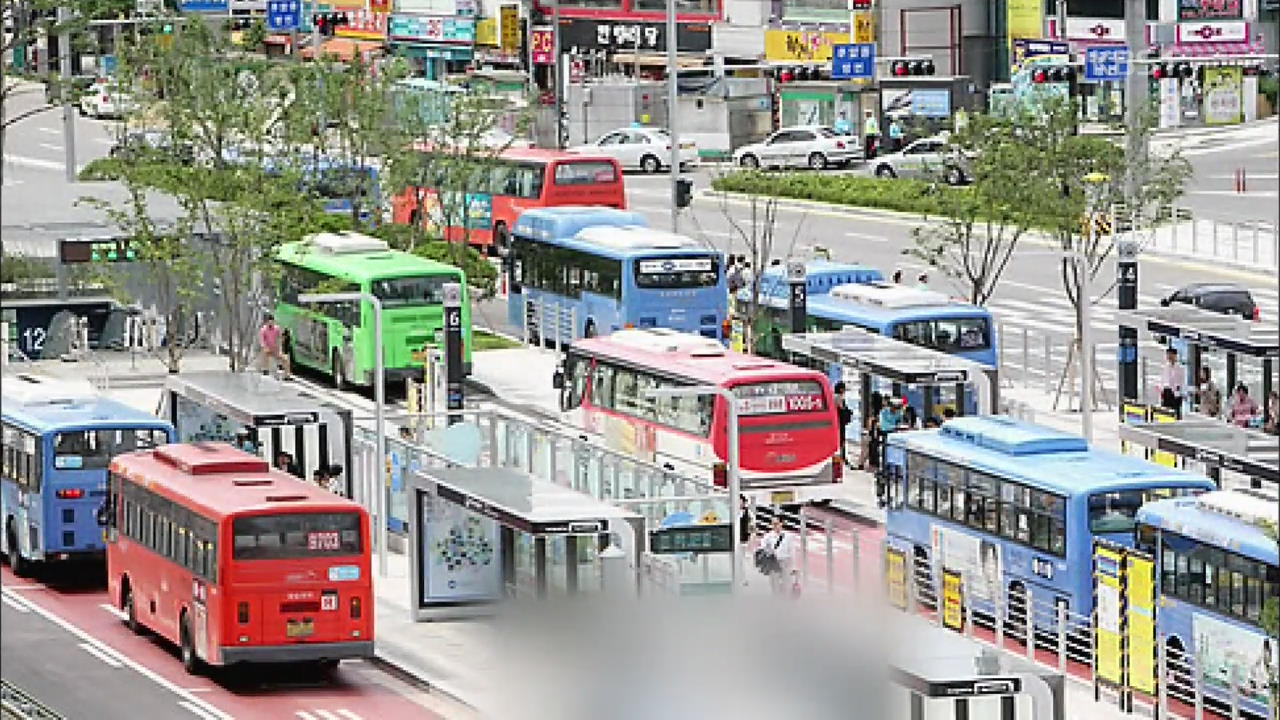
[(587, 271), (58, 439), (1013, 506), (333, 182), (1216, 568)]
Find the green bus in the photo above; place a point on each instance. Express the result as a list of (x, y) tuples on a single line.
[(337, 338)]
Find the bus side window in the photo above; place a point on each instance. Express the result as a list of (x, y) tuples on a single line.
[(602, 386), (576, 381)]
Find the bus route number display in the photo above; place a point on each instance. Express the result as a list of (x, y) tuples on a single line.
[(322, 541), (772, 404), (670, 265)]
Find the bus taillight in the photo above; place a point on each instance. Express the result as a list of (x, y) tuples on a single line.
[(720, 474), (70, 494), (355, 608), (242, 613)]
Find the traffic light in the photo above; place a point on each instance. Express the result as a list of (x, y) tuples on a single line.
[(861, 4), (1179, 70), (912, 68), (684, 192), (1053, 74)]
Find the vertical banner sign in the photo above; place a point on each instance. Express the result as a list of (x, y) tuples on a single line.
[(1132, 413), (542, 46), (799, 295), (952, 600), (1223, 104), (453, 348), (1025, 19), (895, 573), (1127, 299), (1140, 576), (864, 28), (509, 28), (1109, 618), (1161, 457)]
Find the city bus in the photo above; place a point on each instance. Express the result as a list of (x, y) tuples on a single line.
[(589, 271), (234, 562), (775, 292), (789, 444), (1013, 506), (338, 338), (58, 438), (508, 183), (1216, 569)]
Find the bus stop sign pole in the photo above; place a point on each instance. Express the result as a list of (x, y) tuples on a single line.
[(799, 299), (453, 349)]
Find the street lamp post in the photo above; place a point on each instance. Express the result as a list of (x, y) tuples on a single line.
[(673, 96), (734, 464), (1094, 182), (380, 402)]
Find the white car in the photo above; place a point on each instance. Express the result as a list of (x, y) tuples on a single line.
[(923, 158), (813, 146), (641, 148), (106, 101)]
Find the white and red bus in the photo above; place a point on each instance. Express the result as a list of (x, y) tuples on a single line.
[(235, 562), (788, 437)]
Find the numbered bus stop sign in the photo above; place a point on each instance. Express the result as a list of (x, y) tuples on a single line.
[(1106, 63), (284, 14), (853, 61)]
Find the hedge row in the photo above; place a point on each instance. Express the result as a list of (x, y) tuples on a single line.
[(914, 196)]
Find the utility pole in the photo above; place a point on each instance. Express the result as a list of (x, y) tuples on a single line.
[(1135, 148), (64, 69), (673, 94)]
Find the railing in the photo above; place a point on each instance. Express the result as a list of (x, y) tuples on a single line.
[(19, 704), (1177, 230), (552, 324)]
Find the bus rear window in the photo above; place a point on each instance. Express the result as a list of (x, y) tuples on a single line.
[(400, 292), (779, 397), (678, 272), (296, 535), (1115, 512), (93, 449), (586, 172), (949, 335)]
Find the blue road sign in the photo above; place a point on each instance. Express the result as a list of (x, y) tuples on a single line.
[(204, 6), (1106, 63), (284, 14), (853, 61)]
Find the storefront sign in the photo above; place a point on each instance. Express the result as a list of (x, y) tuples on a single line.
[(487, 32), (801, 45), (443, 8), (542, 46), (432, 29), (584, 35), (931, 102), (365, 25), (509, 27), (1223, 102), (1026, 48), (864, 28), (1025, 19), (1215, 32), (1095, 29), (1206, 9)]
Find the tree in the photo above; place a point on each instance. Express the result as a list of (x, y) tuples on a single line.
[(977, 232)]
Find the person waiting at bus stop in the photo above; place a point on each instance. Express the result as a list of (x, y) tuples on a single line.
[(270, 339), (1173, 377), (844, 416), (773, 558)]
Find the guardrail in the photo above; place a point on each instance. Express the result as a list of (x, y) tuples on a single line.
[(19, 704), (1177, 230)]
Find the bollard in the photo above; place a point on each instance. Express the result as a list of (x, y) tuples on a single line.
[(831, 559), (1029, 622), (1062, 638), (804, 547), (1026, 357)]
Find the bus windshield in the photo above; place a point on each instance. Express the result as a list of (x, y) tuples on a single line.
[(780, 396), (296, 535), (1115, 512), (677, 273), (93, 449), (422, 290)]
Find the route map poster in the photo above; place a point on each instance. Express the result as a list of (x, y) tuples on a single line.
[(462, 554)]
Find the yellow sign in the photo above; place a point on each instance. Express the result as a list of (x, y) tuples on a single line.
[(1025, 19), (1160, 457), (510, 21), (864, 28), (895, 573), (952, 600), (1101, 224), (1140, 577), (801, 46), (1108, 628), (487, 32)]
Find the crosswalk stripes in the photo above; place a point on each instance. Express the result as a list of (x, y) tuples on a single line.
[(321, 714)]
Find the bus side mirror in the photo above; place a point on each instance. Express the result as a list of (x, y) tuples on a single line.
[(557, 380)]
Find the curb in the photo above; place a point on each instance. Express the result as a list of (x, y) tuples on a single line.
[(401, 671)]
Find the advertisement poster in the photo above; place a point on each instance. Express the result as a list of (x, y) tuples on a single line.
[(801, 45), (977, 561), (895, 573), (931, 103), (1223, 648), (197, 423), (460, 550), (1025, 19), (1210, 9), (1223, 102), (1109, 621), (952, 600)]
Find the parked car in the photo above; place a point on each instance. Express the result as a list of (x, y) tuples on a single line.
[(926, 157), (814, 146), (1225, 298), (641, 148), (158, 142), (106, 100)]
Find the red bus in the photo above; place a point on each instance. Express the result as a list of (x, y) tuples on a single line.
[(516, 180), (789, 439), (235, 562)]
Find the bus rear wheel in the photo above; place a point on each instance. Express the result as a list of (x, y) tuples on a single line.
[(335, 368), (130, 611), (18, 564), (190, 661)]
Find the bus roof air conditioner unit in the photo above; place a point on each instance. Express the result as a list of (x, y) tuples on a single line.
[(1248, 506), (344, 243), (28, 389), (888, 295)]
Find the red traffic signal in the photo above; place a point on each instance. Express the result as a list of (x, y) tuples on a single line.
[(905, 68), (1040, 76), (1160, 72)]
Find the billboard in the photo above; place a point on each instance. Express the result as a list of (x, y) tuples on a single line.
[(1223, 95)]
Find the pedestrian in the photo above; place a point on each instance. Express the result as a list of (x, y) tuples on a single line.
[(895, 135), (748, 275), (844, 416), (773, 557), (869, 460), (284, 461), (948, 413), (1272, 426), (890, 417), (1208, 394), (1172, 378), (321, 477), (909, 417), (244, 442), (870, 134), (734, 275), (842, 125), (1243, 407), (922, 281), (897, 277), (744, 524), (271, 350), (334, 477)]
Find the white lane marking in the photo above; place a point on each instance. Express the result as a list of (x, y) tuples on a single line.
[(866, 236), (50, 146), (349, 715), (151, 675), (25, 587), (326, 715), (50, 130), (304, 715), (114, 610), (104, 141), (31, 162), (15, 603), (97, 652), (197, 710)]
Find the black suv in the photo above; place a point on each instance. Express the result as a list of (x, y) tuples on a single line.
[(1218, 297)]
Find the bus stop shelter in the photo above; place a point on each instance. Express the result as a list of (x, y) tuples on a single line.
[(272, 416), (902, 364), (479, 535), (1238, 350), (1214, 446)]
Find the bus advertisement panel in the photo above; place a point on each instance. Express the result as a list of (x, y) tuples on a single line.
[(787, 418), (590, 271), (58, 439), (1015, 506), (234, 562)]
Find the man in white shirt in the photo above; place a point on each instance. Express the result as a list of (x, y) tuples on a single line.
[(1173, 378), (778, 542)]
